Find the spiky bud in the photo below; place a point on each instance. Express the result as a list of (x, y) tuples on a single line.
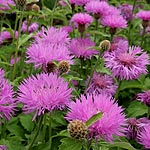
[(36, 7), (77, 129), (105, 45), (21, 2), (63, 66)]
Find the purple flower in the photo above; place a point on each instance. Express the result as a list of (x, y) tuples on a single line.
[(114, 21), (7, 102), (129, 64), (144, 97), (50, 45), (52, 35), (126, 11), (134, 127), (67, 29), (5, 35), (97, 8), (32, 27), (81, 19), (144, 136), (4, 4), (112, 121), (117, 44), (41, 54), (102, 84), (113, 11), (79, 48), (143, 15), (43, 92), (79, 2), (3, 147)]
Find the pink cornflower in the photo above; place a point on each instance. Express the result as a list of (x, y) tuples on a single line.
[(79, 2), (97, 8), (43, 93), (144, 97), (109, 125), (5, 35), (117, 43), (129, 64), (41, 54), (52, 35), (144, 136), (114, 21), (79, 47), (32, 27), (102, 84), (4, 4), (7, 102), (126, 11), (143, 15), (67, 29), (81, 20), (134, 127)]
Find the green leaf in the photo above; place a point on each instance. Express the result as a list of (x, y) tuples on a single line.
[(15, 130), (24, 38), (136, 109), (124, 145), (70, 144), (94, 118), (131, 84), (26, 121)]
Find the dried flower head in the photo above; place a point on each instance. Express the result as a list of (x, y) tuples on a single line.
[(105, 45), (63, 66), (77, 129)]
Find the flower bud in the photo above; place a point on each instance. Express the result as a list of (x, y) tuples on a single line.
[(77, 129), (105, 45), (63, 66)]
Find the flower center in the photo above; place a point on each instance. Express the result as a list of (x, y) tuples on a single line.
[(100, 83), (126, 59)]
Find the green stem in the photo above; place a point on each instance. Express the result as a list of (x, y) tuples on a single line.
[(143, 35), (148, 113), (134, 3), (94, 68), (15, 29), (96, 27), (37, 132), (3, 134), (17, 46), (118, 90), (51, 23), (44, 127), (50, 130)]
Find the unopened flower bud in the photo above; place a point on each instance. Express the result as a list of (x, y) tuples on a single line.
[(21, 2), (35, 7), (77, 129), (63, 66), (105, 45), (50, 67), (81, 28), (145, 23)]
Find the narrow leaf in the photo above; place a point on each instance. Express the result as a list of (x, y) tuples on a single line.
[(94, 118)]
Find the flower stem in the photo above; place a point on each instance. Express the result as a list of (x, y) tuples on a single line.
[(50, 130), (17, 46), (37, 132), (94, 68), (143, 35), (96, 27), (148, 113), (52, 14), (3, 134), (118, 90)]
